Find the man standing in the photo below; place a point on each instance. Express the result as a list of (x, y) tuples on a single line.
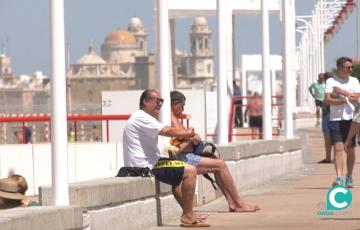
[(316, 90), (238, 103), (140, 149), (255, 109), (341, 93)]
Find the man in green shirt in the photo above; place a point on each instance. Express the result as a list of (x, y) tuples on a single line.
[(317, 90)]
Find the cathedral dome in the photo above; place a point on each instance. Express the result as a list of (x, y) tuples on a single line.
[(121, 37), (135, 22), (91, 58), (200, 21)]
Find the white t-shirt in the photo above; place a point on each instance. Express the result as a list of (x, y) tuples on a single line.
[(343, 111), (140, 140)]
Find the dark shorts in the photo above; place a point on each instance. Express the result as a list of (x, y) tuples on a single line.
[(169, 171), (318, 103), (325, 124), (255, 121), (339, 131)]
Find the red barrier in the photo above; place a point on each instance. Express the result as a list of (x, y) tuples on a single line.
[(74, 118)]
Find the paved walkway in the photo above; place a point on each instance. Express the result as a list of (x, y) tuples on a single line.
[(291, 202)]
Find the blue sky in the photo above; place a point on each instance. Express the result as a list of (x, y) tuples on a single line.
[(24, 30)]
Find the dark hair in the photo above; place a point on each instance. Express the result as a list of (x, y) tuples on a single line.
[(176, 97), (144, 95), (340, 61), (328, 75)]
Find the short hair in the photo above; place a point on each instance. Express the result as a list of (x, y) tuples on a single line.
[(340, 61), (176, 97), (328, 75), (145, 94)]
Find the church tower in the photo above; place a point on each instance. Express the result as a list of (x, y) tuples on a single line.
[(5, 66), (201, 61), (137, 28)]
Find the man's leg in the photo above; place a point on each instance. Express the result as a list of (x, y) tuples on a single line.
[(338, 158), (350, 161), (328, 147), (317, 115), (176, 191), (187, 193), (226, 182)]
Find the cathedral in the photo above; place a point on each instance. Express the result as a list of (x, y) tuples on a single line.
[(126, 64)]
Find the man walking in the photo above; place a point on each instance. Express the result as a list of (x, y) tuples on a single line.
[(341, 93), (316, 90)]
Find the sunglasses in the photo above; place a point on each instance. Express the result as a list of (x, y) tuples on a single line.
[(348, 67), (158, 100)]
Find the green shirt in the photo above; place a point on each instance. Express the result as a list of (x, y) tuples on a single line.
[(319, 90)]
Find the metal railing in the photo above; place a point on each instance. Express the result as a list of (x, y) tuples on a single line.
[(75, 118)]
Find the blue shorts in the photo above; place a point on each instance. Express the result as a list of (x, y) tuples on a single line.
[(325, 124), (169, 171), (190, 158), (339, 131)]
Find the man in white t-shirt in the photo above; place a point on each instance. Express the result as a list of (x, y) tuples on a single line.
[(341, 92), (140, 149)]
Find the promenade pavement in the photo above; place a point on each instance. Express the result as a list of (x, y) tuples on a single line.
[(290, 202)]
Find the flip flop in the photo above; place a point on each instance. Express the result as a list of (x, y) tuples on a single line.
[(254, 210), (203, 217), (324, 161), (195, 224)]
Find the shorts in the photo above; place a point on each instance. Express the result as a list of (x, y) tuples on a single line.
[(169, 171), (339, 131), (325, 124), (255, 121), (318, 103), (190, 158)]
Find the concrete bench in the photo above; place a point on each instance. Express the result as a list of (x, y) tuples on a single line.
[(42, 218), (112, 203)]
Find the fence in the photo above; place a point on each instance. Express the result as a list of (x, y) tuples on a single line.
[(40, 127)]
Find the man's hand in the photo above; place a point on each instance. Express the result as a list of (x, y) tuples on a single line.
[(191, 132)]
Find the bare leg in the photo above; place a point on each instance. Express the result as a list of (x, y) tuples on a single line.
[(353, 129), (176, 191), (226, 194), (187, 194), (350, 161), (338, 159), (219, 167), (317, 115), (328, 146)]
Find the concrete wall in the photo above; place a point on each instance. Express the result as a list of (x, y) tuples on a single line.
[(112, 203), (85, 161)]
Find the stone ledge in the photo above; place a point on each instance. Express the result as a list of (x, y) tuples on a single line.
[(42, 218), (106, 191), (254, 148)]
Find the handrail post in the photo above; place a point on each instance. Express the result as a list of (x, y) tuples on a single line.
[(75, 130), (23, 132), (107, 131)]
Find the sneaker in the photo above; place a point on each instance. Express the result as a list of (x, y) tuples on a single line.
[(338, 181), (349, 182)]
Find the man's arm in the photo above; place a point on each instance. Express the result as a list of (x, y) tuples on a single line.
[(169, 131), (334, 101), (311, 91)]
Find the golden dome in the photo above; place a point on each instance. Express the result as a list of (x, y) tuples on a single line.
[(120, 36)]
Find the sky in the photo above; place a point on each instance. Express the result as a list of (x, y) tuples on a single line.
[(24, 30)]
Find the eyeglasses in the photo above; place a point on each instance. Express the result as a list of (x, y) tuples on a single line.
[(348, 67), (159, 101)]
